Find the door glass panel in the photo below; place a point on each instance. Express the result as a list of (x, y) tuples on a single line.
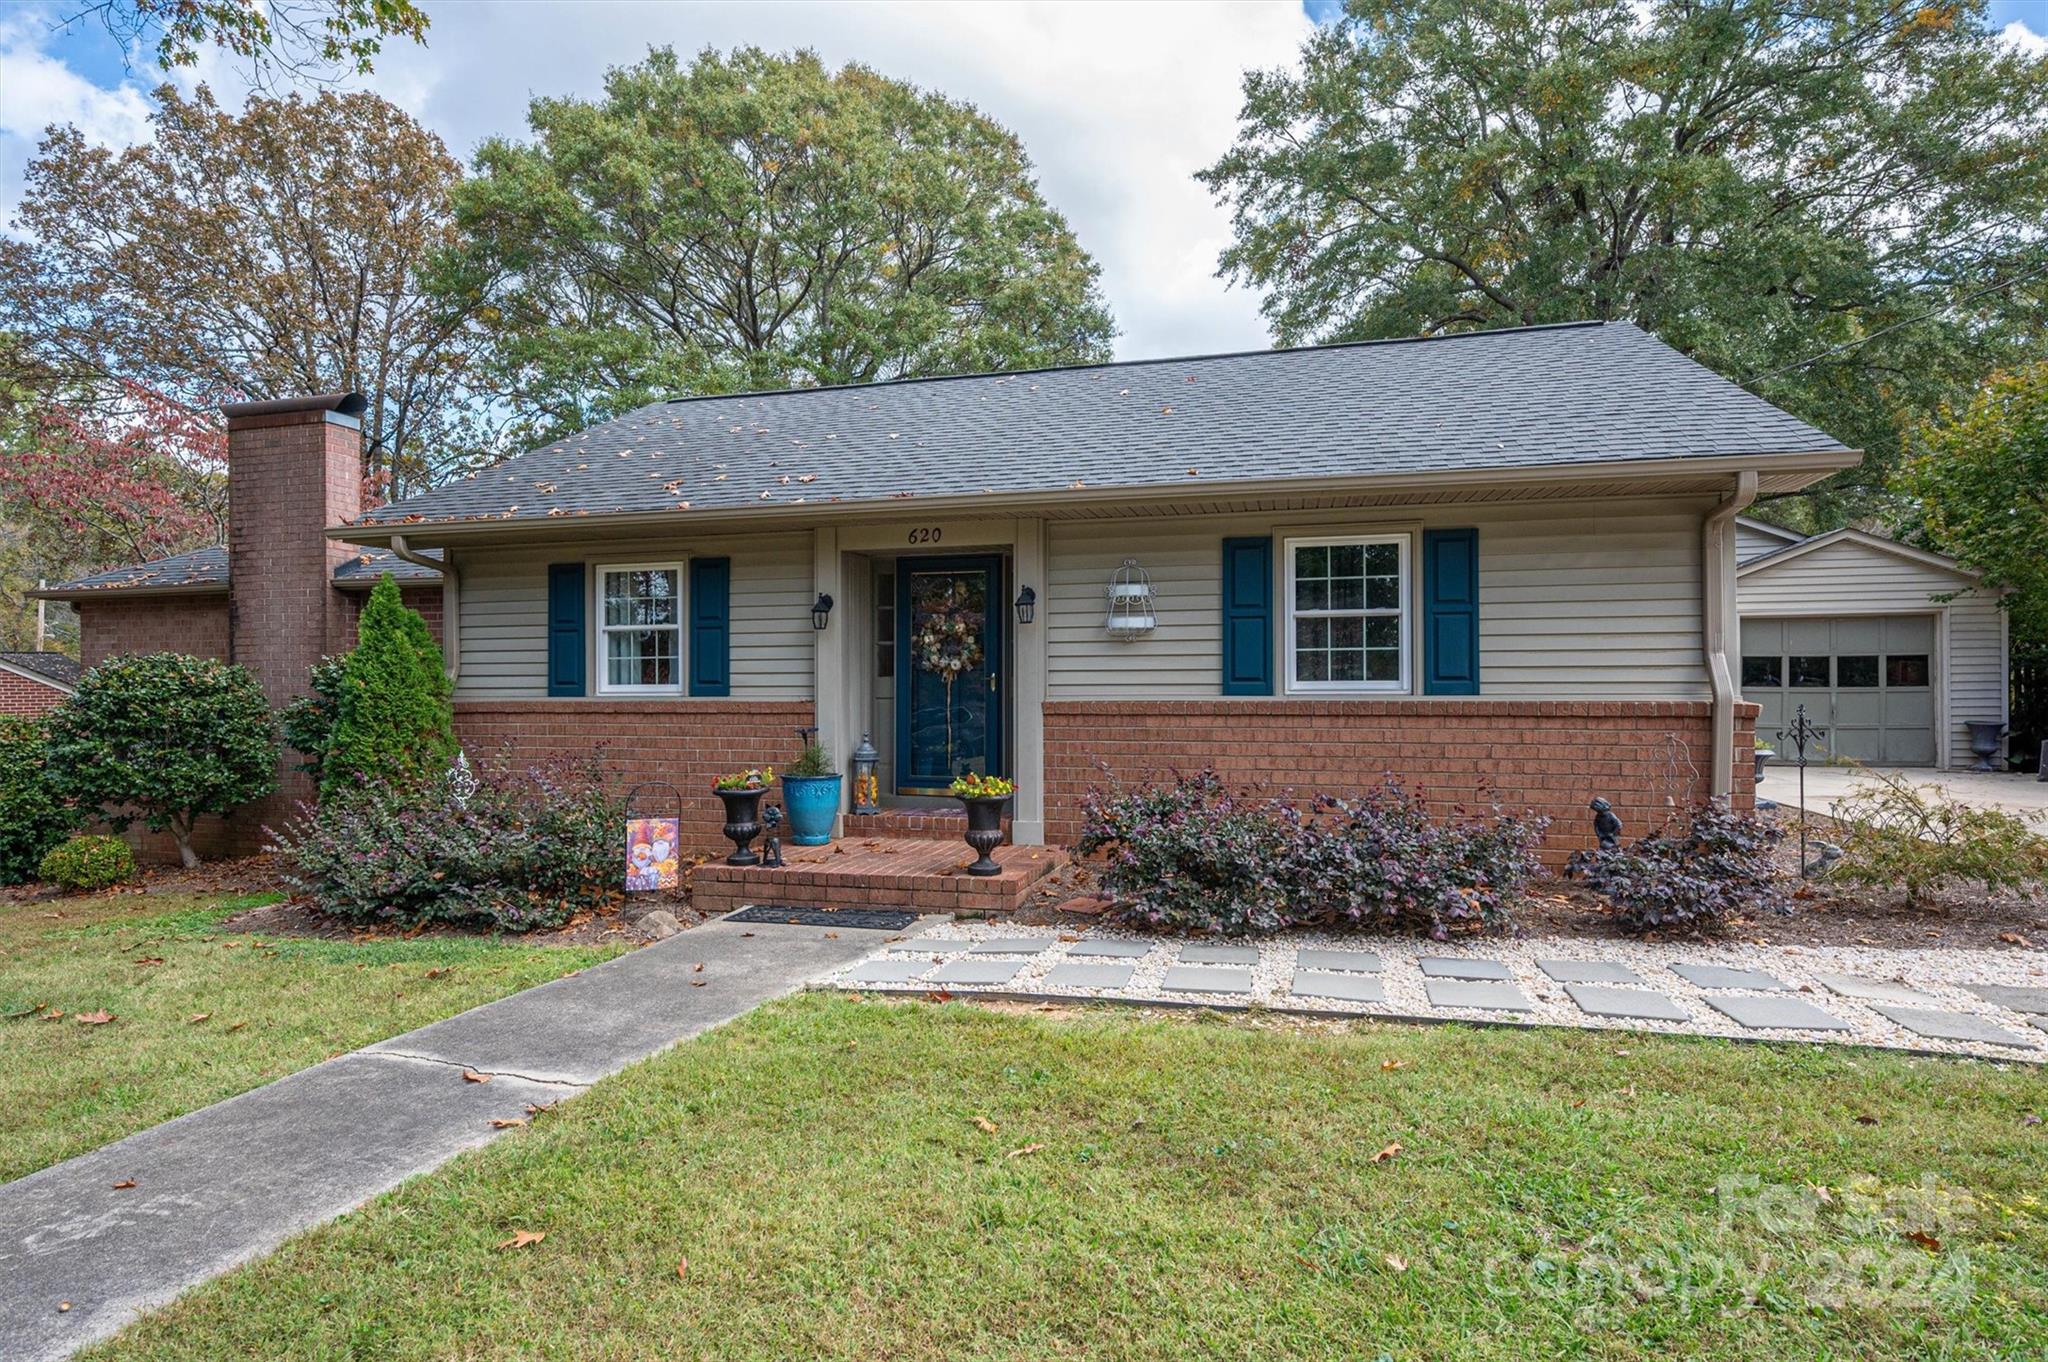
[(1909, 669), (1856, 670), (1809, 670), (1763, 671)]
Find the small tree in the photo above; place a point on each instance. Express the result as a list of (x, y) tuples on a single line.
[(392, 720), (165, 738), (33, 816)]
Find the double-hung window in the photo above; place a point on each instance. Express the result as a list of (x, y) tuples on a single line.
[(640, 640), (1347, 614)]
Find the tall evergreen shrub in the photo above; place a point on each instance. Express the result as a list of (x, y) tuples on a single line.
[(393, 722)]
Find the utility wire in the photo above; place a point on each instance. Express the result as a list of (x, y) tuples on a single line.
[(1754, 379)]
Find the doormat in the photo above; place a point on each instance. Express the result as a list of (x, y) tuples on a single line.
[(869, 919)]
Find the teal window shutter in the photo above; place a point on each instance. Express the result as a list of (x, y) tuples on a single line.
[(568, 639), (1248, 616), (1450, 612), (711, 626)]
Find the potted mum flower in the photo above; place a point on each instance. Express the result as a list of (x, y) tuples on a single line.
[(985, 798), (741, 791)]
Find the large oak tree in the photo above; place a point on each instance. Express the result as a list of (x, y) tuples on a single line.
[(1756, 181), (757, 221), (267, 253)]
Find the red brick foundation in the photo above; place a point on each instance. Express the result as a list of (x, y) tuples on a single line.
[(684, 742), (1551, 756)]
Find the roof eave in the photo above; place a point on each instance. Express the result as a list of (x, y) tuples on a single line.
[(1817, 464), (93, 593)]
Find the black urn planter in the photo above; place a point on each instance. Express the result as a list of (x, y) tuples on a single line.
[(984, 830), (742, 823)]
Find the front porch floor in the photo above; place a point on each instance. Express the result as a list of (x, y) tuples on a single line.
[(916, 873)]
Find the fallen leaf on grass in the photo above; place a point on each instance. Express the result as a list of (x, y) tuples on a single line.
[(1924, 1240), (1866, 1119), (682, 1269), (1388, 1065), (1022, 1151), (536, 1108), (988, 1127), (196, 1018), (506, 1122), (938, 995), (1397, 1262), (99, 1018), (55, 1015), (28, 1011), (1389, 1152), (521, 1238), (472, 1076), (124, 1184), (150, 960), (440, 970), (236, 1026)]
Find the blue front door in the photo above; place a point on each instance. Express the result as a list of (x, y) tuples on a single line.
[(949, 662)]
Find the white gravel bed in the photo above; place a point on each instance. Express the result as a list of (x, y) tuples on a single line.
[(1940, 972)]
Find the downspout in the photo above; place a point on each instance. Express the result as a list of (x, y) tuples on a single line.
[(451, 600), (1718, 622)]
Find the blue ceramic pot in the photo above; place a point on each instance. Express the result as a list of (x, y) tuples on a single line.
[(812, 803)]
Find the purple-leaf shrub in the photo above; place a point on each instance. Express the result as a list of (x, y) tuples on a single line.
[(1718, 864), (1194, 854), (529, 847)]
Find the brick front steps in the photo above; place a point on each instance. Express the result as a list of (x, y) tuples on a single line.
[(916, 873), (937, 824)]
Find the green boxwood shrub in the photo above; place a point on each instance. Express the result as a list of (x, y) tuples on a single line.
[(165, 738), (520, 847), (393, 723), (33, 816), (82, 864)]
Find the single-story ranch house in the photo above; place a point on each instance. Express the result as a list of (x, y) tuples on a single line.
[(1501, 561)]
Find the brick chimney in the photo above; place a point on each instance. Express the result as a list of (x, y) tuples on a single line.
[(295, 466)]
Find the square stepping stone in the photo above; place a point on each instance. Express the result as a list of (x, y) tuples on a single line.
[(1726, 976), (1068, 974), (886, 971), (1777, 1014), (1360, 962), (980, 972), (1486, 993), (1452, 967), (1010, 945), (1636, 1004), (1198, 954), (1351, 987), (1589, 972), (1874, 990), (1206, 979), (2019, 999), (1939, 1025), (1121, 950)]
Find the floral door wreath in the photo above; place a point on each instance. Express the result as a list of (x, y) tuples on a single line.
[(948, 640)]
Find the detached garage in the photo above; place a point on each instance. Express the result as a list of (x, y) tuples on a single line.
[(1892, 649)]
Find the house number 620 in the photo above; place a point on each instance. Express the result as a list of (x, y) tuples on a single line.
[(928, 534)]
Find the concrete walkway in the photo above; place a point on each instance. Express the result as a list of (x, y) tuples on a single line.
[(220, 1186), (2021, 794)]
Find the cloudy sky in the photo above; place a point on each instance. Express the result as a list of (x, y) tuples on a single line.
[(1118, 104)]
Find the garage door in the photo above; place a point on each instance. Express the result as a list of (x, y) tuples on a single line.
[(1869, 682)]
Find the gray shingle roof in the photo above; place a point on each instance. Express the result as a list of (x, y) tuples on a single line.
[(1523, 398), (55, 667), (207, 570)]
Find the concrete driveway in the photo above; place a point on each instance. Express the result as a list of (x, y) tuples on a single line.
[(1826, 785)]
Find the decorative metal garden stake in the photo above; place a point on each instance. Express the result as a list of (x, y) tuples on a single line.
[(1803, 731)]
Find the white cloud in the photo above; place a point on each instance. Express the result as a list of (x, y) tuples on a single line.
[(2025, 39), (1117, 104), (38, 89)]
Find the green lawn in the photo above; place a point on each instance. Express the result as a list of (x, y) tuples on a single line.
[(272, 1006), (1192, 1189)]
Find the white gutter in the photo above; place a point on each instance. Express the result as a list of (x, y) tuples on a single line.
[(1718, 622), (451, 600)]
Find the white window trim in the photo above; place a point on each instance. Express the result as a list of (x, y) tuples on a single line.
[(598, 635), (1402, 542)]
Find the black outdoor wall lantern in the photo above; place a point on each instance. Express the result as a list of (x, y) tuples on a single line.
[(1027, 605), (821, 611)]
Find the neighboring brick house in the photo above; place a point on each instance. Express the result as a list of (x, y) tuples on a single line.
[(1494, 564), (33, 684)]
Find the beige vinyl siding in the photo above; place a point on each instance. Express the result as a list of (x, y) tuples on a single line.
[(1851, 578), (1753, 543), (1577, 601), (504, 613)]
